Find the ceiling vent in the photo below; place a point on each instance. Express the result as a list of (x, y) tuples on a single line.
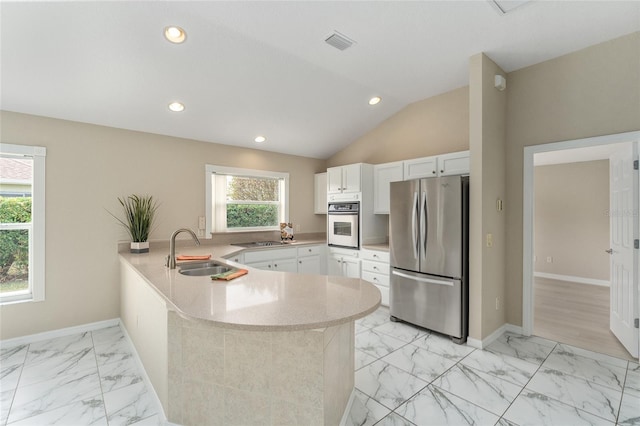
[(339, 41)]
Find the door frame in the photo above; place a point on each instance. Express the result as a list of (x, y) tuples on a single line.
[(528, 216)]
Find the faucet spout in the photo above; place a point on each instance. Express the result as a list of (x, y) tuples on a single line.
[(171, 259)]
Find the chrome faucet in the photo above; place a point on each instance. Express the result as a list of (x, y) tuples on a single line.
[(171, 259)]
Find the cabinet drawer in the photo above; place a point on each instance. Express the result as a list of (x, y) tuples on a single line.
[(375, 267), (378, 279), (375, 255), (309, 251), (269, 254)]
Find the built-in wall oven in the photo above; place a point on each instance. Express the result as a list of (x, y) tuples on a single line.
[(344, 219)]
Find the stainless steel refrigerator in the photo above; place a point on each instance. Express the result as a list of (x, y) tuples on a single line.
[(428, 241)]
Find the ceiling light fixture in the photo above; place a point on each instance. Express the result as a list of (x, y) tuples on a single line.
[(175, 34), (260, 139), (176, 106), (375, 100)]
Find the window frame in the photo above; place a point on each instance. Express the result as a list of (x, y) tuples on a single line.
[(36, 291), (211, 170)]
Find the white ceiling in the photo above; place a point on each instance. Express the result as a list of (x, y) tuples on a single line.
[(251, 68)]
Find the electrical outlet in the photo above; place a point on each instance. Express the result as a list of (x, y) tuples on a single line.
[(201, 223), (489, 240), (297, 227), (549, 259), (497, 303), (200, 232), (535, 258)]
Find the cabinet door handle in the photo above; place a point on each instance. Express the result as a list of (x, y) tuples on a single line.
[(275, 266), (433, 172), (300, 262), (441, 171)]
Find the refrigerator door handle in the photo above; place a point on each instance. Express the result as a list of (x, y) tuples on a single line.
[(414, 226), (422, 279), (423, 225)]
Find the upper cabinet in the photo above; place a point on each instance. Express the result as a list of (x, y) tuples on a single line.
[(320, 201), (344, 179), (456, 163), (383, 175), (420, 168)]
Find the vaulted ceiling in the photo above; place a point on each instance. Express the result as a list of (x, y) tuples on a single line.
[(264, 68)]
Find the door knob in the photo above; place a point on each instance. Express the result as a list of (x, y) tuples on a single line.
[(610, 251)]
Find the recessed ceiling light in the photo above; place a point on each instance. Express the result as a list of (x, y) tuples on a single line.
[(260, 139), (176, 106), (375, 100), (175, 34)]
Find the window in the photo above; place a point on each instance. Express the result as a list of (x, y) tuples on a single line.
[(21, 223), (245, 199)]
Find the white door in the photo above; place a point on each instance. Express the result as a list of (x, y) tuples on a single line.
[(623, 206)]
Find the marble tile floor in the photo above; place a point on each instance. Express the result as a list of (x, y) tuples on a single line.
[(404, 376), (88, 378), (408, 376)]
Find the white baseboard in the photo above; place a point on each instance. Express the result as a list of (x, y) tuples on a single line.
[(581, 280), (345, 416), (32, 338), (481, 344), (145, 378)]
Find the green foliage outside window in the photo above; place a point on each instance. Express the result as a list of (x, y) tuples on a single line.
[(251, 215), (253, 190), (14, 244)]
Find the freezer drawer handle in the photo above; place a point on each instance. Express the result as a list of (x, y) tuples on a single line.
[(423, 280)]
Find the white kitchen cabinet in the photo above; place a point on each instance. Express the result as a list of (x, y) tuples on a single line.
[(310, 260), (420, 168), (383, 175), (344, 179), (343, 263), (456, 163), (375, 269), (238, 258), (320, 200), (310, 265), (284, 260)]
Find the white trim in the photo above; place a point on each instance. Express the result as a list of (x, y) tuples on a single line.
[(528, 210), (504, 328), (345, 416), (145, 377), (210, 170), (61, 332), (37, 234), (581, 280)]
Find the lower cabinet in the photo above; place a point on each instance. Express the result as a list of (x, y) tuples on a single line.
[(343, 263), (305, 259), (283, 260), (375, 269)]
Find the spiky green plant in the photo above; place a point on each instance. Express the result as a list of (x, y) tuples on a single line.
[(139, 213)]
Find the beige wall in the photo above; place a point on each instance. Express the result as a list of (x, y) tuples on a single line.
[(487, 111), (591, 92), (571, 221), (433, 126), (87, 168)]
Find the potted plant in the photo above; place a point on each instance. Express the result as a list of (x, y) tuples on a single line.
[(139, 213)]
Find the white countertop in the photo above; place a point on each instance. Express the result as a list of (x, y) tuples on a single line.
[(260, 300)]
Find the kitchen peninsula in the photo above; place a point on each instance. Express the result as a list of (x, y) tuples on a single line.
[(268, 347)]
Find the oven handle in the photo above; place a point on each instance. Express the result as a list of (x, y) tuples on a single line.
[(344, 213)]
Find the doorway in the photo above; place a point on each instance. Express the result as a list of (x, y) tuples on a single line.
[(566, 293)]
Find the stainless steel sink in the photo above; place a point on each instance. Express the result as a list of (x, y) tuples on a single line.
[(259, 244), (199, 269), (200, 272)]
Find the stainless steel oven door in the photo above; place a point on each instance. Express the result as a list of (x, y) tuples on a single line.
[(343, 230)]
